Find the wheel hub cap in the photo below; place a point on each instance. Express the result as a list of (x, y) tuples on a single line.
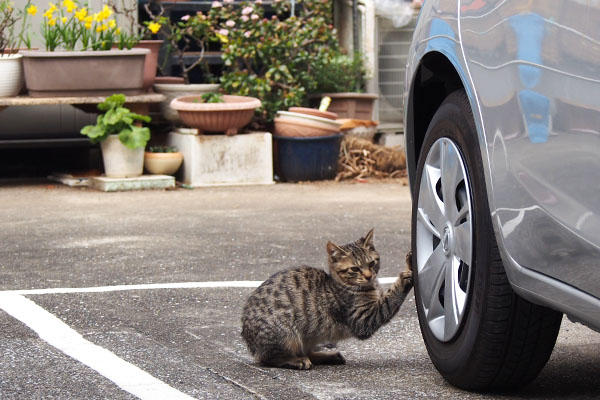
[(444, 239)]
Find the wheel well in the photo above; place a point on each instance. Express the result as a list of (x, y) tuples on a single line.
[(434, 80)]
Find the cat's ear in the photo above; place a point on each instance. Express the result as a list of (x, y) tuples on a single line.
[(334, 250), (368, 239)]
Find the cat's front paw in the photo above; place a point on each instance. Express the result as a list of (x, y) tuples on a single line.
[(407, 275)]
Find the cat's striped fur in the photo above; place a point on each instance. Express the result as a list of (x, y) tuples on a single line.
[(294, 311)]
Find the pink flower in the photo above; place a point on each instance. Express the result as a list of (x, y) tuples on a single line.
[(223, 32), (185, 17), (254, 17), (247, 10), (216, 4), (245, 18), (230, 23), (247, 34), (227, 1)]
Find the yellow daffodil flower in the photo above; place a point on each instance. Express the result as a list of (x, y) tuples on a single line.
[(69, 5), (101, 28), (154, 27), (112, 23), (52, 7), (64, 20), (81, 14), (105, 13), (118, 31), (52, 21), (32, 10)]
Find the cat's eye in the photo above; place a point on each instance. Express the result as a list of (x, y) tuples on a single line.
[(355, 269), (372, 264)]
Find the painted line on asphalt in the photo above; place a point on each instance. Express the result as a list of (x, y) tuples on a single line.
[(58, 334), (150, 286)]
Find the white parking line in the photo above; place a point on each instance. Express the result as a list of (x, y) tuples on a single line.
[(58, 334), (177, 285)]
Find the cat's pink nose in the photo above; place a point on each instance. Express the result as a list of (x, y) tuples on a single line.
[(367, 275)]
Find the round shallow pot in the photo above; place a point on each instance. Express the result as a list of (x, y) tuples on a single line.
[(173, 90), (313, 111), (234, 113), (306, 159), (11, 74), (84, 73), (291, 124), (162, 163), (119, 160)]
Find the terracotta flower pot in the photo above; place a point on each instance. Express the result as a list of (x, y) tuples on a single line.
[(314, 111), (172, 90), (84, 73), (231, 115), (151, 61), (162, 163), (291, 124)]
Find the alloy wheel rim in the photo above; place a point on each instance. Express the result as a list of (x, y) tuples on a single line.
[(444, 239)]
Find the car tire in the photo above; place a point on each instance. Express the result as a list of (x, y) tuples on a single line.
[(479, 333)]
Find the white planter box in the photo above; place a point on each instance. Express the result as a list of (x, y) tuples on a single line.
[(213, 160)]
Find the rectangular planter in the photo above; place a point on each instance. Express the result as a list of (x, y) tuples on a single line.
[(84, 73)]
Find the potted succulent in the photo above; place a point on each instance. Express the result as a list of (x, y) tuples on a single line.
[(121, 138), (11, 68), (78, 55), (214, 112), (190, 31), (162, 160)]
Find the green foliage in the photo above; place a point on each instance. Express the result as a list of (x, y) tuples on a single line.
[(341, 73), (162, 149), (212, 98), (118, 120), (276, 59)]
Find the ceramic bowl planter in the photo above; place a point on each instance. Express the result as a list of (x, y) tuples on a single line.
[(174, 90), (232, 114), (84, 73), (293, 124), (11, 74), (162, 163)]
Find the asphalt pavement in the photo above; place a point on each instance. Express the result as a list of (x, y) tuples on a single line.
[(139, 294)]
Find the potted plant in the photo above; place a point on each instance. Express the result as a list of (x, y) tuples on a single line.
[(342, 78), (11, 68), (78, 56), (214, 112), (121, 138), (162, 160), (190, 31)]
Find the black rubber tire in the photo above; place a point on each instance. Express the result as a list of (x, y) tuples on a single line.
[(504, 341)]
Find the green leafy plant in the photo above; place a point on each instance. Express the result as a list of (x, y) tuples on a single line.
[(340, 73), (162, 149), (118, 120), (274, 59), (212, 98)]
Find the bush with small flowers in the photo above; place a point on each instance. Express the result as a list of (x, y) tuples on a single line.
[(274, 59)]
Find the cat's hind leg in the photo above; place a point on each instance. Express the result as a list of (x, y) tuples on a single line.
[(290, 355), (326, 357)]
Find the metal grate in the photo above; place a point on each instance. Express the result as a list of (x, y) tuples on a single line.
[(392, 51)]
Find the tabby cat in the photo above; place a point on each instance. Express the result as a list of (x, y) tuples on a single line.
[(294, 312)]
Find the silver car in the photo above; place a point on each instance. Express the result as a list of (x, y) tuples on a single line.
[(502, 125)]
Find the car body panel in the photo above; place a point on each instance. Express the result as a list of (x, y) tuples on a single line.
[(532, 73)]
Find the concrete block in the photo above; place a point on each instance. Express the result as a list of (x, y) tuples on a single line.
[(391, 139), (213, 160), (138, 183)]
